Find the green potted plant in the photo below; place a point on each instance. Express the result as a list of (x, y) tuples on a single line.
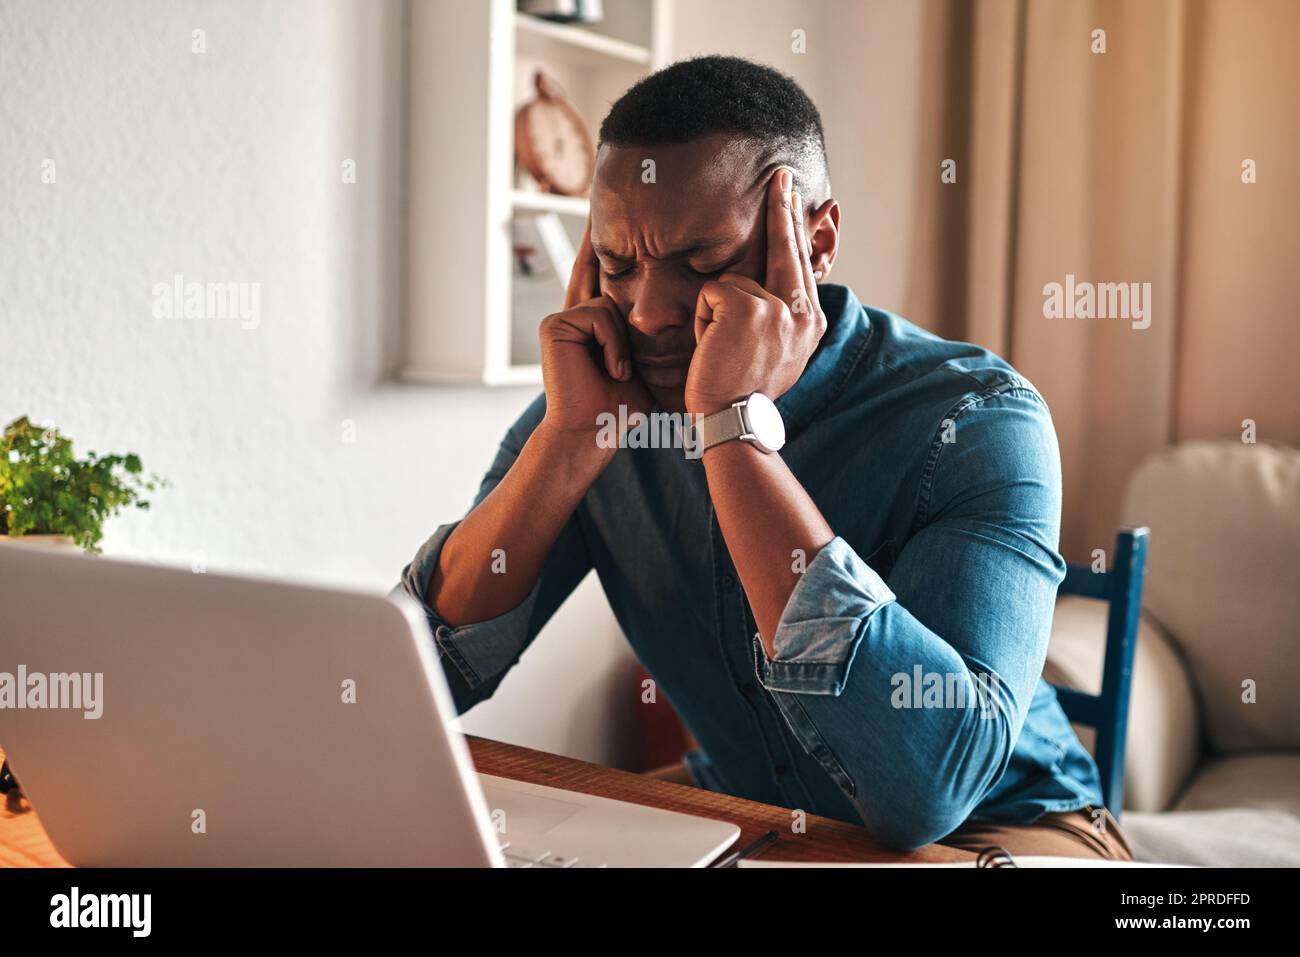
[(49, 496)]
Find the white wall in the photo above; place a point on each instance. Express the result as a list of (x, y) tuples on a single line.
[(225, 166)]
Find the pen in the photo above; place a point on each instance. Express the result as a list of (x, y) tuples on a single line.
[(746, 851)]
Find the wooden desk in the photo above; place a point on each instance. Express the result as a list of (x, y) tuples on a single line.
[(23, 842)]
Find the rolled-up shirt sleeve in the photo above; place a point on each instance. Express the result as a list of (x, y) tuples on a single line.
[(824, 622), (479, 650), (911, 691)]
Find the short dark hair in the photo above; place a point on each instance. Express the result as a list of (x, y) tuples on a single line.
[(708, 95)]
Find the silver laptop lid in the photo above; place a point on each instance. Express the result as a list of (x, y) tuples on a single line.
[(214, 720)]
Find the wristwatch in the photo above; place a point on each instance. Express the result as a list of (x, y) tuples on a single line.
[(754, 419)]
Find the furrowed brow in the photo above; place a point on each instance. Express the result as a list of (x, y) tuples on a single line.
[(606, 253), (694, 249)]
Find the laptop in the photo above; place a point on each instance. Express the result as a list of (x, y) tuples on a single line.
[(156, 717)]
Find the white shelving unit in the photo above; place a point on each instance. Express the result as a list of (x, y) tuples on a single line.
[(471, 317), (529, 200), (579, 45)]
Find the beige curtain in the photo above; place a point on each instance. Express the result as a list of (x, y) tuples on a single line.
[(1122, 166)]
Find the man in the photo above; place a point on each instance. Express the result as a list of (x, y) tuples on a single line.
[(854, 625)]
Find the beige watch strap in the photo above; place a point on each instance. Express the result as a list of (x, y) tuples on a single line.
[(722, 427)]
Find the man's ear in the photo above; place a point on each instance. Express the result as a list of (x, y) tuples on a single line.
[(823, 230)]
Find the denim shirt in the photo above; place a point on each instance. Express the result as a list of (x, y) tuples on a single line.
[(906, 690)]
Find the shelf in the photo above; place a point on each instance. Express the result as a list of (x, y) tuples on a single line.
[(543, 39), (525, 201)]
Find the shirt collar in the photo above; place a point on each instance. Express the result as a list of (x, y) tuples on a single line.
[(848, 330)]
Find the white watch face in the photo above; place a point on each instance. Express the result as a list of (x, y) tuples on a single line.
[(764, 422)]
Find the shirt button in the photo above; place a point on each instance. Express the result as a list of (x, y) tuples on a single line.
[(781, 770), (728, 583)]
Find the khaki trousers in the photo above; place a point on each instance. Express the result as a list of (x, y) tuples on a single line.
[(1064, 834)]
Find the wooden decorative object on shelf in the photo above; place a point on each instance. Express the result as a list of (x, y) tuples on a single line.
[(552, 142)]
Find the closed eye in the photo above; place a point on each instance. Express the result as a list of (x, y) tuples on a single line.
[(626, 271), (623, 273)]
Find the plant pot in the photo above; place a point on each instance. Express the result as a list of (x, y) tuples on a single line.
[(41, 541)]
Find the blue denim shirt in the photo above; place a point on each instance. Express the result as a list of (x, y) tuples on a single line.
[(906, 691)]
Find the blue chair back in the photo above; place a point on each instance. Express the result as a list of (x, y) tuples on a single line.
[(1121, 587)]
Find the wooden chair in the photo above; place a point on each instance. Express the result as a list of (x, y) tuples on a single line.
[(1121, 587)]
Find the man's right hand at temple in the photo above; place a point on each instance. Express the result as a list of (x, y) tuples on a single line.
[(586, 360)]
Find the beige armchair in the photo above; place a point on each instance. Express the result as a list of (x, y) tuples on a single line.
[(1212, 770)]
